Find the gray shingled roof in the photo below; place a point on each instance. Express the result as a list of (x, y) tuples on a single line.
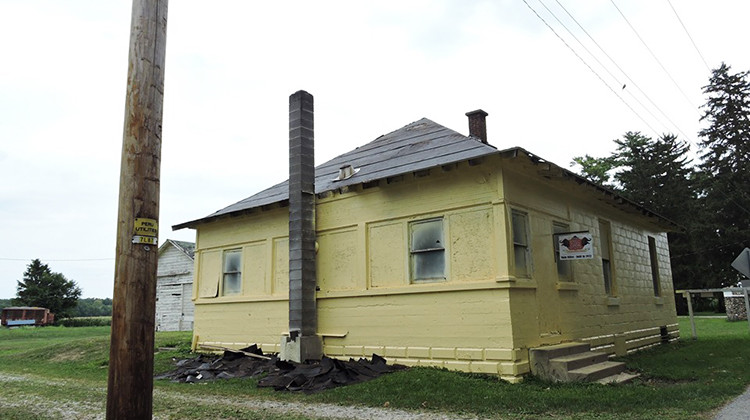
[(417, 146), (420, 145)]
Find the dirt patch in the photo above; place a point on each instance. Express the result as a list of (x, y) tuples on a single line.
[(68, 356)]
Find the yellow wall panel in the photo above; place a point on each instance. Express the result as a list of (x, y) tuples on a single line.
[(261, 322), (254, 269), (388, 255), (471, 245), (337, 261), (280, 286), (209, 274), (471, 318)]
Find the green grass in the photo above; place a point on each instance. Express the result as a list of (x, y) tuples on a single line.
[(688, 379)]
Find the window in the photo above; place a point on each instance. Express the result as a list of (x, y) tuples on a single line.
[(427, 250), (232, 273), (564, 269), (654, 266), (605, 242), (519, 226)]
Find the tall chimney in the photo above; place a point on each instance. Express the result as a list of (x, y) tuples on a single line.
[(303, 343), (478, 125)]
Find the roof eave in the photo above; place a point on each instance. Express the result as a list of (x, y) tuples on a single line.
[(614, 196)]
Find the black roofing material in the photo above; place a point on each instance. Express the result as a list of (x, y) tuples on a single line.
[(280, 375)]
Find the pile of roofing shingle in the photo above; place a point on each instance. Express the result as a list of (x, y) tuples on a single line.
[(311, 376)]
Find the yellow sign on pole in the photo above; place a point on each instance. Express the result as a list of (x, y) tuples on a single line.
[(145, 231), (146, 227)]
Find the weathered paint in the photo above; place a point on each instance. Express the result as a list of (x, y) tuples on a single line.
[(481, 318), (174, 285)]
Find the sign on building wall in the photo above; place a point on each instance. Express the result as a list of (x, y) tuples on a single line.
[(575, 245)]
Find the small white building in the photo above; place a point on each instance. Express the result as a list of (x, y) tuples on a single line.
[(174, 286)]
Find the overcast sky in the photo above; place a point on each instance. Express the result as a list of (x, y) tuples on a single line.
[(231, 66)]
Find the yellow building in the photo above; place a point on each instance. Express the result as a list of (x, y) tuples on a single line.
[(435, 248)]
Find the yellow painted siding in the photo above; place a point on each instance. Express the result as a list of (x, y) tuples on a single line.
[(480, 318), (556, 311), (387, 257), (337, 260)]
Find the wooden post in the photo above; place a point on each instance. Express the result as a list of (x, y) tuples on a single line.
[(131, 356), (690, 312)]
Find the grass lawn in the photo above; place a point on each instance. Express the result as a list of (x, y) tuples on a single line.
[(55, 369)]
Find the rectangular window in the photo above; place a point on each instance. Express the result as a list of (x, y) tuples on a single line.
[(564, 269), (232, 273), (427, 250), (605, 243), (654, 266), (519, 226)]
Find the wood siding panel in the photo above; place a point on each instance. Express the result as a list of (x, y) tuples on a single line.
[(174, 284)]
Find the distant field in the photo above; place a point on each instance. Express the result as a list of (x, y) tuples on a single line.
[(58, 372)]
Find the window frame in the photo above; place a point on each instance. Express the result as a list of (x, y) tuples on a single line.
[(654, 259), (423, 253), (225, 273), (608, 266), (525, 246), (558, 228)]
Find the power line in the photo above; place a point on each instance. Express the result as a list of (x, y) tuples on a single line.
[(596, 59), (630, 80), (609, 87), (691, 38), (655, 57), (589, 67)]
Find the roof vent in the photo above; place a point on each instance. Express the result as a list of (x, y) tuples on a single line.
[(346, 172)]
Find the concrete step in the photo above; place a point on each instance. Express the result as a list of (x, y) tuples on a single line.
[(579, 360), (596, 371), (559, 350), (620, 378)]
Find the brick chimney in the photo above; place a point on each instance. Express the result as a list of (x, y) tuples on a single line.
[(478, 125), (302, 343)]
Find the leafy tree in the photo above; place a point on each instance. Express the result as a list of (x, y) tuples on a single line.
[(93, 307), (596, 169), (726, 170), (41, 287), (4, 303), (658, 175)]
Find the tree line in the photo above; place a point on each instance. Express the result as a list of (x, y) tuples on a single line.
[(44, 288), (709, 199)]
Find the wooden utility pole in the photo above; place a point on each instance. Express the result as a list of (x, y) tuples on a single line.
[(131, 356)]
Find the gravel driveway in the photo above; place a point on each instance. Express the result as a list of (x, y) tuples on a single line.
[(61, 407)]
